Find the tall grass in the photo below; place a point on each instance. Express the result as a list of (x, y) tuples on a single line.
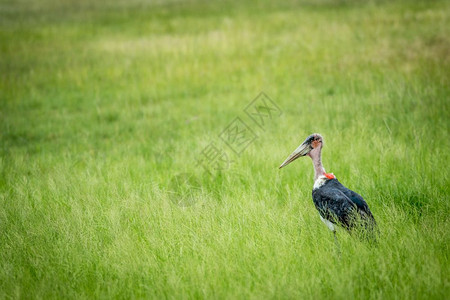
[(103, 105)]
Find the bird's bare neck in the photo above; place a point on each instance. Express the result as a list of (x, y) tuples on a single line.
[(317, 162)]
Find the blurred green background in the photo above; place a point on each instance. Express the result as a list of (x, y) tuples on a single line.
[(106, 106)]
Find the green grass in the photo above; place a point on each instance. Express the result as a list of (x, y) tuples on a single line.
[(101, 106)]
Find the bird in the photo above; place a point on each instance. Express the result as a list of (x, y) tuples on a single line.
[(337, 205)]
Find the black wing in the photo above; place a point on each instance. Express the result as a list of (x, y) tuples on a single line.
[(363, 208), (334, 206), (333, 200)]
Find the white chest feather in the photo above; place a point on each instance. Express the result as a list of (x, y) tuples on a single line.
[(319, 182)]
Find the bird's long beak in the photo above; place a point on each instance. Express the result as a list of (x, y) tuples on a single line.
[(302, 150)]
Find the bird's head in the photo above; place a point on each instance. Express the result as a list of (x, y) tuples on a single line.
[(311, 147)]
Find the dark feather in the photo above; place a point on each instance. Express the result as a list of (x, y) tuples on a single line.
[(338, 204)]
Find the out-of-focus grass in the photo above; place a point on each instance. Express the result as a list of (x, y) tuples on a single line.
[(101, 105)]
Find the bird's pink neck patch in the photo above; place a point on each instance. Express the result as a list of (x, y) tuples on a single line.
[(329, 175)]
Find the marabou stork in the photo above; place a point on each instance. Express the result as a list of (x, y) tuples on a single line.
[(337, 205)]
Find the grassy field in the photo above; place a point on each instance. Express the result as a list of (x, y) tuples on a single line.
[(106, 109)]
